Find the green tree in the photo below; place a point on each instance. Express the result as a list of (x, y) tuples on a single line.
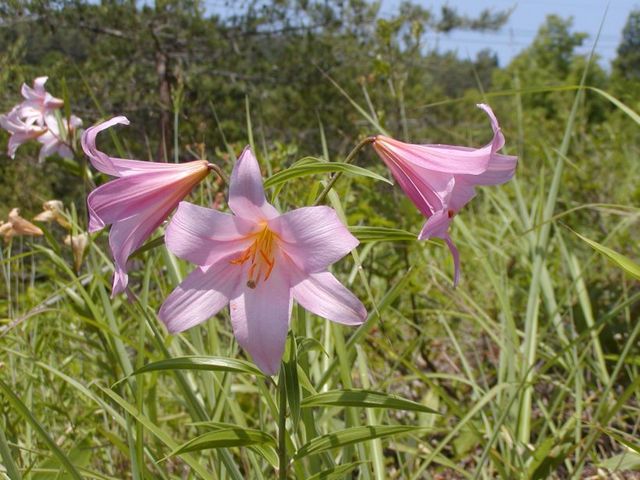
[(627, 62)]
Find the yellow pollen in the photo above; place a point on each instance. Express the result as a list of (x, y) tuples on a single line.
[(261, 255)]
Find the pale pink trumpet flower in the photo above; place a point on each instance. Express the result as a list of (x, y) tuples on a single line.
[(21, 132), (57, 140), (37, 103), (441, 179), (138, 201), (258, 261)]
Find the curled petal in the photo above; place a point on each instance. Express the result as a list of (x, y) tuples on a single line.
[(200, 296), (313, 229), (125, 237), (114, 166), (322, 294), (498, 138), (447, 158), (204, 236), (501, 169), (246, 193), (456, 260), (260, 320), (101, 160), (437, 225)]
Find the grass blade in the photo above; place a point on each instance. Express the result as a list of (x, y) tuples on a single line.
[(224, 438), (353, 435), (200, 362), (22, 409), (620, 260), (364, 399)]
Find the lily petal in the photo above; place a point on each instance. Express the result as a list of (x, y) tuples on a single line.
[(246, 192), (322, 294), (37, 102), (200, 296), (456, 260), (448, 158), (100, 160), (204, 236), (114, 166), (125, 196), (125, 237), (260, 320), (437, 225), (313, 229)]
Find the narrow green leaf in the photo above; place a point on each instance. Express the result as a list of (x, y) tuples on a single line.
[(623, 262), (7, 458), (292, 384), (150, 245), (266, 451), (623, 462), (80, 456), (364, 399), (225, 438), (24, 411), (633, 115), (158, 432), (353, 435), (199, 362), (339, 471), (546, 459), (381, 234), (319, 167)]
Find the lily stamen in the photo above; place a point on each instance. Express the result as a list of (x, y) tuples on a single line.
[(260, 252)]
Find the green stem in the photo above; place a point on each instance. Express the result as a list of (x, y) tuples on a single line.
[(282, 425), (337, 175)]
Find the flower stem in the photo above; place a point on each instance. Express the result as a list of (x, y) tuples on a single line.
[(337, 175), (282, 426), (219, 172)]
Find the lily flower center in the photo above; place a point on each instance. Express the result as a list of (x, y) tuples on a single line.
[(261, 256)]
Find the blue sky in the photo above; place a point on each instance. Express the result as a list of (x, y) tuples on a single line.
[(525, 20), (522, 26)]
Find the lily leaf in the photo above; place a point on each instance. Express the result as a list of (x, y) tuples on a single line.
[(339, 471), (156, 242), (200, 362), (365, 399), (353, 435), (224, 438), (318, 167), (381, 234)]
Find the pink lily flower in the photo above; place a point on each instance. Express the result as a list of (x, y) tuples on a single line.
[(258, 261), (441, 179), (54, 140), (138, 201), (37, 102), (20, 131)]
